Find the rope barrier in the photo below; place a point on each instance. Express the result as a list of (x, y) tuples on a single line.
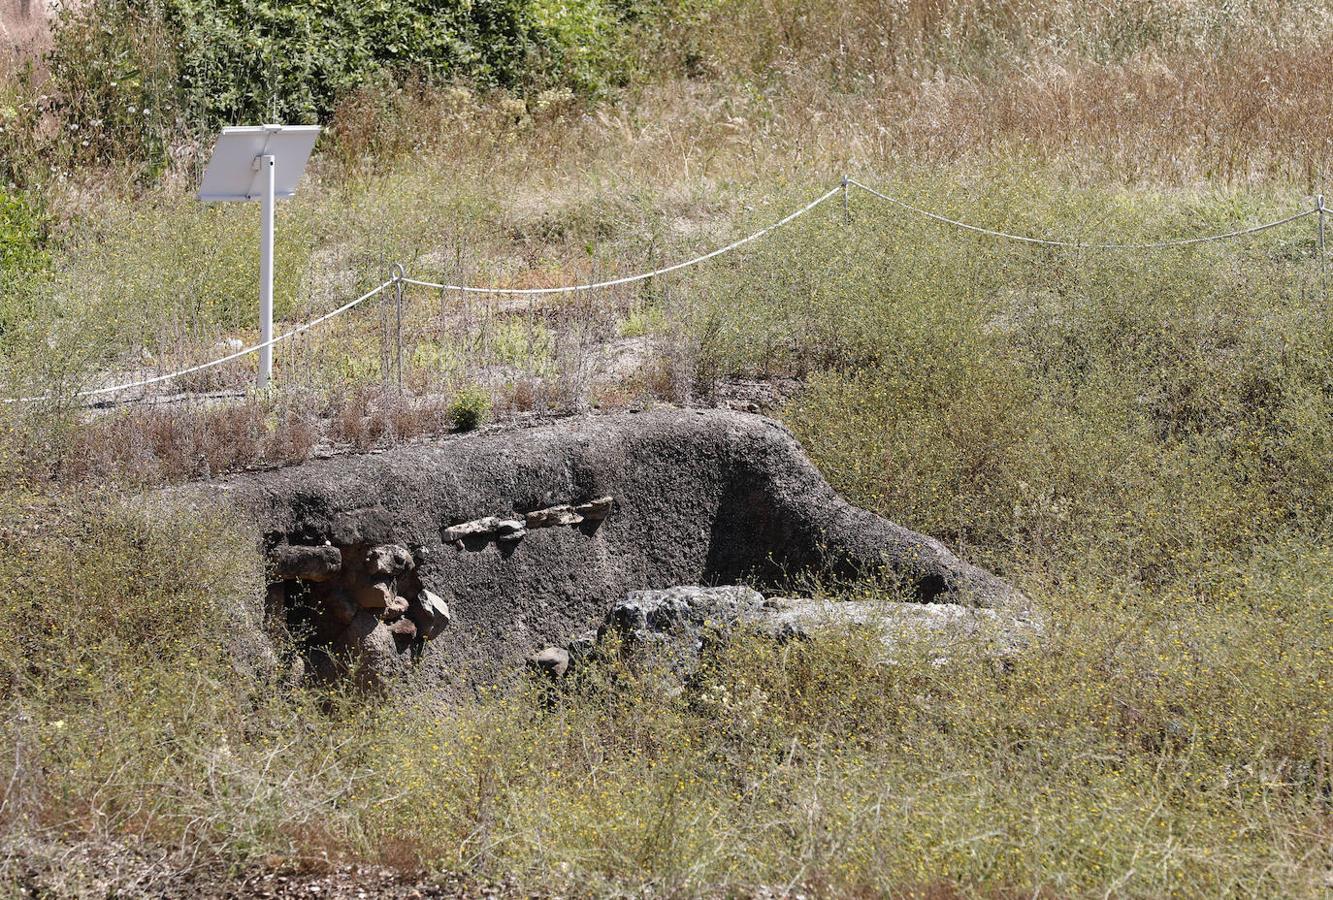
[(208, 365), (1153, 245), (398, 276), (631, 279)]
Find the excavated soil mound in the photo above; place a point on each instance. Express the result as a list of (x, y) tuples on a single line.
[(522, 538)]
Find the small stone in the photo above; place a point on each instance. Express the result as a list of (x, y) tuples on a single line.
[(555, 515), (553, 662), (376, 595), (404, 631), (509, 526), (337, 607), (306, 563), (475, 528), (368, 646), (389, 560), (431, 615), (596, 510), (395, 609)]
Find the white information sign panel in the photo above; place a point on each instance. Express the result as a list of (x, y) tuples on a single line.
[(233, 175)]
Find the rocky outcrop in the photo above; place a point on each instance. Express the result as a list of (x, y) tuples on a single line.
[(530, 535), (670, 629)]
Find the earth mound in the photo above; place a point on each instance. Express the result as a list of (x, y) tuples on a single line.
[(522, 538)]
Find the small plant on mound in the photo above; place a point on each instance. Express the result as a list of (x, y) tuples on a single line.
[(470, 408)]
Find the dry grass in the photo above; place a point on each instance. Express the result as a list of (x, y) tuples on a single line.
[(1141, 441)]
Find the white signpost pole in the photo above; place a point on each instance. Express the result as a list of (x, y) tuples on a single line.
[(264, 163), (267, 201)]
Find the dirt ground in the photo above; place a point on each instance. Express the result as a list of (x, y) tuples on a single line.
[(23, 25), (98, 870)]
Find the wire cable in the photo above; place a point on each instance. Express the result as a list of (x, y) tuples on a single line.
[(159, 379), (1078, 245), (631, 279)]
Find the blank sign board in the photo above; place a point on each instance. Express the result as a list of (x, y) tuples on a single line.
[(233, 174)]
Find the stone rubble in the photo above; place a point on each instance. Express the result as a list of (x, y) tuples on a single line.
[(670, 628), (515, 529), (366, 609)]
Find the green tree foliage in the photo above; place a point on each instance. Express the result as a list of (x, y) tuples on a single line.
[(132, 71)]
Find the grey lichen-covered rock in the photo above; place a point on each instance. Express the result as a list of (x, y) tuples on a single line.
[(998, 631), (552, 517), (307, 563), (596, 510), (389, 560), (483, 527), (510, 530), (644, 616), (700, 497), (431, 614), (672, 626)]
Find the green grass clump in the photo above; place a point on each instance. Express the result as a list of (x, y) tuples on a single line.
[(22, 236), (469, 409)]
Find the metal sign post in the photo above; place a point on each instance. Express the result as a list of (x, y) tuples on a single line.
[(263, 163)]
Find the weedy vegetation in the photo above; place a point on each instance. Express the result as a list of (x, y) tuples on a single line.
[(1141, 440)]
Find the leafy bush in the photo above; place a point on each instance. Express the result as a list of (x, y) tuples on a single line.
[(22, 236), (469, 408), (129, 72)]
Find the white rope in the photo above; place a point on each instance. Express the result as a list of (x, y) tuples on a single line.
[(208, 365), (1154, 245), (399, 277), (631, 279)]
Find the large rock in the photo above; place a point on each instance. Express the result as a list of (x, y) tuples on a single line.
[(389, 560), (672, 627), (431, 614), (699, 497), (368, 651), (306, 563)]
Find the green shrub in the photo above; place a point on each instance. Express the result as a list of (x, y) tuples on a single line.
[(22, 236), (469, 409), (23, 257), (115, 67), (128, 73)]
